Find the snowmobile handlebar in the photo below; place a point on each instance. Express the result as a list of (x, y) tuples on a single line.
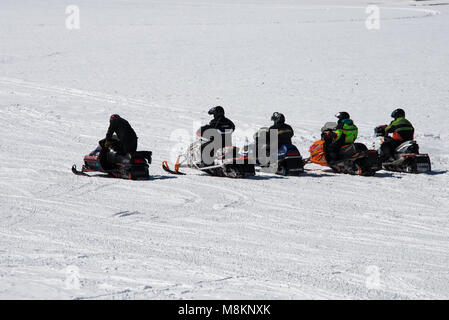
[(379, 131)]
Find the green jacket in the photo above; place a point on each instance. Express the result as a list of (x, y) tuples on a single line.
[(401, 128), (346, 130)]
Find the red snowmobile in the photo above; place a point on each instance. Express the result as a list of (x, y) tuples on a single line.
[(132, 166)]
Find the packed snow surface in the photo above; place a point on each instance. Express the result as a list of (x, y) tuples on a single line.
[(162, 65)]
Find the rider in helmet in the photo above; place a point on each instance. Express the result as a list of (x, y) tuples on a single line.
[(285, 132), (127, 136), (220, 123), (345, 133), (224, 126), (402, 131)]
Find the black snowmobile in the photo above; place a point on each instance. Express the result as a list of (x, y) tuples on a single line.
[(287, 161), (406, 156), (227, 161), (353, 158), (356, 159), (132, 166)]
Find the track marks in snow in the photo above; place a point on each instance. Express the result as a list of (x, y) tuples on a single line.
[(91, 96)]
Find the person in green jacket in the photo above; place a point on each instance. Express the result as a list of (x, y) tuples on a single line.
[(345, 133), (402, 131)]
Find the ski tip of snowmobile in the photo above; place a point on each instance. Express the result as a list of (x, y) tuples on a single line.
[(78, 172), (167, 169)]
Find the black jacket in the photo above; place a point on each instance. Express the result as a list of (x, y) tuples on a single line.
[(123, 129), (285, 133), (222, 124)]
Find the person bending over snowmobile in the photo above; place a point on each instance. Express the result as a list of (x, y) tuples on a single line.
[(345, 133), (220, 123), (402, 131), (127, 136)]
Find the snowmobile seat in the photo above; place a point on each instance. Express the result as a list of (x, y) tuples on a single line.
[(141, 154), (347, 151), (408, 147), (351, 150)]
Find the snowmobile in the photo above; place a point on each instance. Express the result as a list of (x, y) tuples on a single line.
[(132, 166), (406, 157), (227, 161), (286, 162), (354, 158)]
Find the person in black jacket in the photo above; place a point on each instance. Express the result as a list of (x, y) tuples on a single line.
[(285, 132), (224, 126), (127, 136), (219, 126), (262, 138)]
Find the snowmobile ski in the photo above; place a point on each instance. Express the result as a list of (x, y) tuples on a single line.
[(167, 169), (79, 173)]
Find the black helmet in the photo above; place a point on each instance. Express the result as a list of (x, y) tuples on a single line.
[(114, 116), (342, 115), (398, 113), (216, 111), (278, 118)]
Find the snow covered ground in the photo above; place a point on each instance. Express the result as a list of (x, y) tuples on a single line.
[(162, 65)]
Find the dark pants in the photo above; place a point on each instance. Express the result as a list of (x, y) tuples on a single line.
[(387, 148), (333, 151), (126, 146)]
